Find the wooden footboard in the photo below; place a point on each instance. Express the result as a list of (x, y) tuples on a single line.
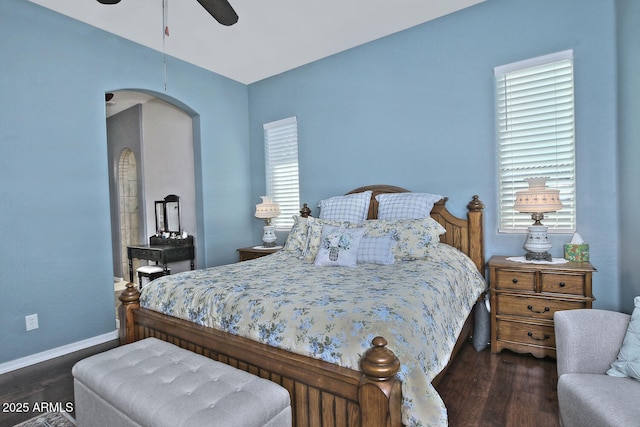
[(322, 394)]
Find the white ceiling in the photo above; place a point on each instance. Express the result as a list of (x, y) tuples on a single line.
[(271, 36)]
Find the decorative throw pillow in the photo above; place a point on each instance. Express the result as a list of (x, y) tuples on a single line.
[(628, 362), (376, 250), (339, 246), (352, 207), (297, 239), (414, 236), (314, 236), (405, 205)]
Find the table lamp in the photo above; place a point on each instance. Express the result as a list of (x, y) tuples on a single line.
[(537, 201), (268, 210)]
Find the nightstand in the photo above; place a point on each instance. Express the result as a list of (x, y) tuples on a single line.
[(256, 252), (524, 297)]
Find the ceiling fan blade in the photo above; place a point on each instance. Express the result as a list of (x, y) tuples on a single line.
[(221, 11)]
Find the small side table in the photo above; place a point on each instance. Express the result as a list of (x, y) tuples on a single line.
[(524, 297), (254, 252)]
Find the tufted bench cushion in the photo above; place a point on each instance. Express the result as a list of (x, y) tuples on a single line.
[(154, 383)]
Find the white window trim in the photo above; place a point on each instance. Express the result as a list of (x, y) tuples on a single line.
[(517, 223), (286, 194)]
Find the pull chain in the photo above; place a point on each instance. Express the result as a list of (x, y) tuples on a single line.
[(165, 34)]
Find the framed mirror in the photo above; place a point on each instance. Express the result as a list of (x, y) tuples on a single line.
[(168, 214), (172, 213)]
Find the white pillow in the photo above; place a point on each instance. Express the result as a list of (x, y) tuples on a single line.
[(376, 250), (627, 363), (352, 207), (405, 205), (339, 246)]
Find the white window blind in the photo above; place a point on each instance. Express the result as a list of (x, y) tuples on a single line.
[(536, 136), (281, 166)]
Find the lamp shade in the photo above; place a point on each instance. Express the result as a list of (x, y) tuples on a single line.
[(538, 198), (267, 209)]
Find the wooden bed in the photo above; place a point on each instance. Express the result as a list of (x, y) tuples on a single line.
[(322, 394)]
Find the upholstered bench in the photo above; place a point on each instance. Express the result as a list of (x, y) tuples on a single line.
[(154, 383)]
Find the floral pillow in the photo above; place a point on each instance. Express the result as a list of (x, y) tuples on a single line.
[(352, 207), (414, 236), (297, 239), (339, 246), (314, 236), (405, 205)]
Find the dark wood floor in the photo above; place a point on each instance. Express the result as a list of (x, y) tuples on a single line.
[(500, 390), (46, 384), (480, 389)]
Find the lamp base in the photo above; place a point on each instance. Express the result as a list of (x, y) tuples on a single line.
[(537, 244), (269, 236), (538, 256)]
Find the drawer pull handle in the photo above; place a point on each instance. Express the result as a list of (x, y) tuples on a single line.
[(539, 312), (514, 280), (562, 284), (545, 337)]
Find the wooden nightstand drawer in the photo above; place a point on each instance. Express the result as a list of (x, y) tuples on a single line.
[(573, 284), (533, 307), (516, 280), (527, 333), (524, 297)]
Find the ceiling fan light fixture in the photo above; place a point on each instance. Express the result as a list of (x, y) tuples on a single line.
[(109, 1)]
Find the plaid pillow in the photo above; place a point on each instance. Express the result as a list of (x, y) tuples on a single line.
[(376, 250), (352, 207), (405, 205)]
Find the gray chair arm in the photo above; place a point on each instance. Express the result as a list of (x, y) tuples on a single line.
[(588, 341)]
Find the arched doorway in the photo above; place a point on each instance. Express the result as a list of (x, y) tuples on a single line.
[(151, 155)]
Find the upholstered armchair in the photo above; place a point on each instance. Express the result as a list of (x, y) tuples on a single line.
[(587, 342)]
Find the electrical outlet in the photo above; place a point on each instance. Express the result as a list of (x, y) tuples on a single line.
[(32, 322)]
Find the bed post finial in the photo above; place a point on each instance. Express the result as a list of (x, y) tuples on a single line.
[(476, 232), (130, 299), (380, 392), (305, 212), (475, 204)]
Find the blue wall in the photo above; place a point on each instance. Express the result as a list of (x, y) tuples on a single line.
[(56, 247), (628, 12), (398, 110)]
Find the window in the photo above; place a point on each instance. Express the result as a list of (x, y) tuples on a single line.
[(281, 166), (536, 136)]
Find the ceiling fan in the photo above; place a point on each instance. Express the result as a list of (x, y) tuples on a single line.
[(221, 10)]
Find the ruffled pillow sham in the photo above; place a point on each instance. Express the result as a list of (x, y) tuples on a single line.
[(414, 236)]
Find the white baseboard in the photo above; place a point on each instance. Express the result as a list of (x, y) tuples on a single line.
[(23, 362)]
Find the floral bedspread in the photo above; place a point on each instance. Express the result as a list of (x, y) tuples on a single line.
[(333, 313)]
